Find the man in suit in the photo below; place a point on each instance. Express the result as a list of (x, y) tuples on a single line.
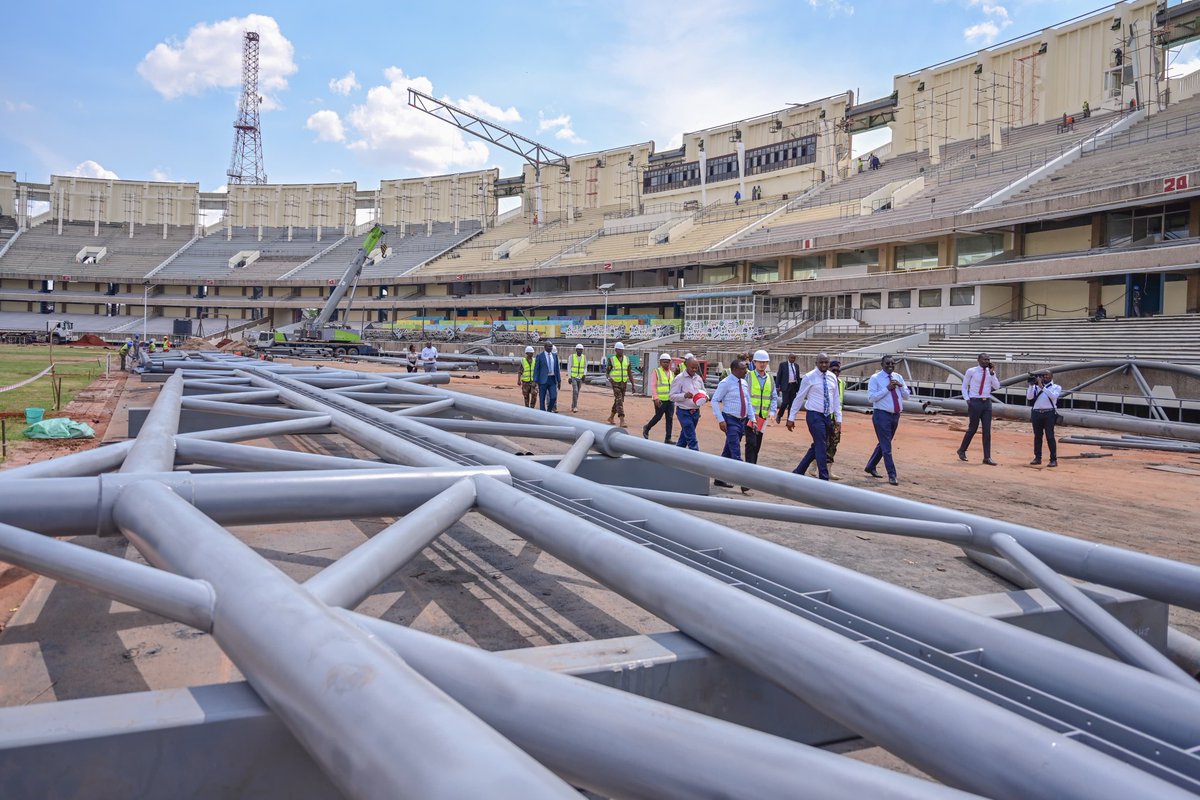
[(548, 377), (787, 383)]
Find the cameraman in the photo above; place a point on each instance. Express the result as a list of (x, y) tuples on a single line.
[(1044, 393)]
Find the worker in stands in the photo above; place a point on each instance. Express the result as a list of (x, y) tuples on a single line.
[(576, 371), (123, 352), (619, 373), (153, 346), (765, 399), (166, 343), (525, 378), (660, 390)]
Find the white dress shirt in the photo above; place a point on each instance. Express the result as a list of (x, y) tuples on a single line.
[(730, 398), (1044, 397), (815, 387), (880, 396), (979, 383), (429, 355), (684, 384)]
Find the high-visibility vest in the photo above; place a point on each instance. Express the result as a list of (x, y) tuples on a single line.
[(663, 389), (527, 366), (841, 393), (577, 366), (166, 343), (124, 350), (760, 393), (620, 369)]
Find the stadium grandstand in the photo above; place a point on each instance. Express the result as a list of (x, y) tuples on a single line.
[(1024, 185)]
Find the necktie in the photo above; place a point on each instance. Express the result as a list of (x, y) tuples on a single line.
[(791, 373), (825, 383), (742, 398), (982, 377), (895, 401)]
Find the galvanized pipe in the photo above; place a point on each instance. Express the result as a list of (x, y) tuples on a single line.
[(1155, 410), (561, 433), (88, 462), (261, 430), (426, 409), (258, 412), (256, 396), (181, 599), (345, 697), (250, 458), (577, 453), (354, 576), (1126, 644), (154, 449), (867, 691), (617, 744)]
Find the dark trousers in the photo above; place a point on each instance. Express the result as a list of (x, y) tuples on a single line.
[(548, 396), (665, 409), (1043, 425), (733, 437), (885, 423), (979, 411), (754, 440), (789, 394), (688, 417), (818, 427)]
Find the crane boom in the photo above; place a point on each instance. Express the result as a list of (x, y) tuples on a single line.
[(313, 329)]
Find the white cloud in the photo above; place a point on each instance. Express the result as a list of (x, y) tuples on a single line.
[(327, 125), (561, 125), (482, 108), (1185, 61), (345, 84), (393, 133), (833, 7), (18, 106), (985, 32), (90, 169), (996, 19), (211, 57), (160, 175)]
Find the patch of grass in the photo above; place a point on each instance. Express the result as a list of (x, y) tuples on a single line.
[(77, 366)]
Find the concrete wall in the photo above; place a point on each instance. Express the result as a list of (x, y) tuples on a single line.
[(1062, 299), (116, 201), (1063, 240), (438, 198), (330, 205)]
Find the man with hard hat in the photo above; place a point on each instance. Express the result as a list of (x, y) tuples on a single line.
[(548, 377), (619, 374), (733, 409), (576, 371), (687, 393), (765, 398), (525, 373), (660, 390)]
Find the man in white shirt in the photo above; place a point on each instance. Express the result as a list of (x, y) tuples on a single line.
[(429, 356), (732, 407), (1044, 393), (978, 384), (687, 393), (886, 392), (818, 396)]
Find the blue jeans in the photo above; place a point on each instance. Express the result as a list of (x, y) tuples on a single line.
[(548, 396), (885, 423), (688, 417), (734, 426), (818, 427)]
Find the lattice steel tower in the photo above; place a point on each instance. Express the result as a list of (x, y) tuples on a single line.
[(246, 164)]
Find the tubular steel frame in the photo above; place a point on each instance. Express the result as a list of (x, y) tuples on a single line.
[(943, 688)]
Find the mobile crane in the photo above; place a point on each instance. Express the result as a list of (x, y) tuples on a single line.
[(317, 336)]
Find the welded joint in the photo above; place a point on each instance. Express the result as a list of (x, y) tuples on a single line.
[(110, 486)]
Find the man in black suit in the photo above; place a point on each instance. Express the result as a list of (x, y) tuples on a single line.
[(787, 379)]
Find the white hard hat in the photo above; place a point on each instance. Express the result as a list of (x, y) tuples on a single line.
[(761, 355), (528, 348), (689, 355), (578, 347), (553, 348), (665, 357), (619, 346)]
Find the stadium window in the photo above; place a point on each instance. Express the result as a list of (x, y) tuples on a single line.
[(929, 298), (859, 258), (901, 299), (764, 272), (962, 295), (869, 301), (973, 249), (922, 255)]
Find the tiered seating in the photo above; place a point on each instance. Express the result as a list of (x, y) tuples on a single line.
[(1166, 144), (209, 257), (475, 255), (42, 250), (8, 229), (404, 252), (1175, 339), (84, 323)]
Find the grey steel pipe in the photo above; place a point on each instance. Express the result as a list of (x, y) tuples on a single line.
[(1126, 644), (360, 388), (804, 515), (618, 744), (259, 412), (249, 458), (88, 462), (1155, 410), (577, 453), (352, 578), (867, 691), (426, 409), (383, 398), (345, 697), (559, 432), (154, 449), (245, 396), (222, 386), (181, 599), (1123, 444), (261, 430)]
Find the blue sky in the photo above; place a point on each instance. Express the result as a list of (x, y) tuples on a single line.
[(148, 90)]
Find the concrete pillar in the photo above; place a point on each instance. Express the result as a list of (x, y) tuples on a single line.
[(1099, 231), (1094, 292), (1194, 217), (1192, 298), (785, 268), (947, 251), (743, 272), (887, 259), (1018, 241)]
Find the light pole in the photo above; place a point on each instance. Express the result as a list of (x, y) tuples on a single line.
[(605, 288)]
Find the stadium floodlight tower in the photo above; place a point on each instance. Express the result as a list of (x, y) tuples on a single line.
[(534, 153), (246, 163)]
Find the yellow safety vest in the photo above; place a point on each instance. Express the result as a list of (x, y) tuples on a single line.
[(841, 392), (527, 366), (664, 384), (760, 393), (620, 369), (577, 366)]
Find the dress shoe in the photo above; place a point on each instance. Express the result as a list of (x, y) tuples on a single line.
[(962, 454), (1053, 462), (1035, 462), (893, 482), (722, 484), (745, 490), (990, 463), (872, 473), (645, 433), (668, 440)]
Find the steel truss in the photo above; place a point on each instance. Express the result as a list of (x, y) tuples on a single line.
[(386, 711)]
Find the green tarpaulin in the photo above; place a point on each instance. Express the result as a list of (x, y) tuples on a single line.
[(59, 428)]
